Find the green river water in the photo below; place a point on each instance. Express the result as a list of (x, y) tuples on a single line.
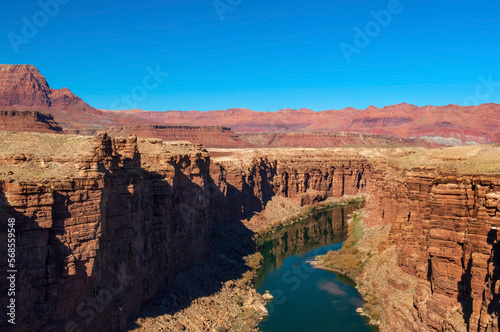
[(309, 299)]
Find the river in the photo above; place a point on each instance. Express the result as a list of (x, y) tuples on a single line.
[(305, 298)]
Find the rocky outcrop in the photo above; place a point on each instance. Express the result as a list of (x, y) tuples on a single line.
[(24, 88), (32, 121), (23, 85)]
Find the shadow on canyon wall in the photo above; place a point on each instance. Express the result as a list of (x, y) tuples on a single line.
[(494, 306), (465, 292), (156, 248), (465, 286), (38, 262), (230, 242)]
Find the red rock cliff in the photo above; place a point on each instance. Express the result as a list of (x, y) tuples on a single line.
[(106, 223), (32, 121), (107, 233), (445, 229), (249, 181)]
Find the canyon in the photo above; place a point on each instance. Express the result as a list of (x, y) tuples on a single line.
[(106, 224), (135, 220)]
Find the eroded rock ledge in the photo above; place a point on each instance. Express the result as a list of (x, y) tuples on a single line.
[(104, 224)]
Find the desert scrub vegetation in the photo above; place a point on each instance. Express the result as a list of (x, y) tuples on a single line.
[(372, 309), (306, 212), (253, 262)]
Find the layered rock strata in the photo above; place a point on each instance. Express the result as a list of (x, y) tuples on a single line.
[(31, 121), (104, 224), (97, 241), (249, 180), (445, 231), (209, 136), (324, 139)]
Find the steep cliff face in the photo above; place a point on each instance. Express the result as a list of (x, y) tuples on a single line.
[(445, 233), (250, 180), (98, 241), (23, 85), (32, 121)]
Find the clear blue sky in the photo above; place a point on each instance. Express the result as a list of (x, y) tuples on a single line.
[(264, 55)]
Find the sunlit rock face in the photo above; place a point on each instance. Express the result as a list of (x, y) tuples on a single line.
[(445, 230)]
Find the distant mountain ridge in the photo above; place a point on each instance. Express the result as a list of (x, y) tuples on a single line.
[(479, 124), (24, 88)]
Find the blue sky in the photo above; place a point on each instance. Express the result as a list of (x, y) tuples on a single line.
[(263, 55)]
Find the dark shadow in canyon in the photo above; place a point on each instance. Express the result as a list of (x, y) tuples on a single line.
[(465, 288), (159, 247), (39, 261), (193, 268), (494, 306), (465, 291), (231, 241)]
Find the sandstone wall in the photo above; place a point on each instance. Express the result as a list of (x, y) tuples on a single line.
[(305, 179), (28, 121), (445, 230), (93, 248)]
